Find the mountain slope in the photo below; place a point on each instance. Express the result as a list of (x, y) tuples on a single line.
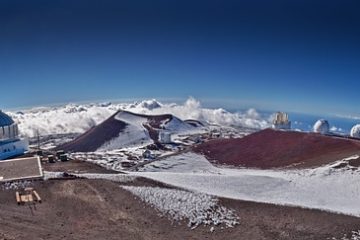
[(272, 149), (95, 137), (124, 129)]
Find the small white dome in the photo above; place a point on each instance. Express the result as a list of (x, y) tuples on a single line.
[(355, 131), (321, 126)]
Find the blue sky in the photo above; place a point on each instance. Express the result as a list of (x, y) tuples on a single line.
[(301, 56)]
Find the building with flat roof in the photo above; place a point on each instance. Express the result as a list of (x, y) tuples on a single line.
[(20, 169)]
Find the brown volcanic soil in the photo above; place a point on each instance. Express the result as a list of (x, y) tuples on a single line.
[(98, 209), (274, 149), (94, 138)]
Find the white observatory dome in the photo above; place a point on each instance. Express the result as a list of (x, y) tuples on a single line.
[(321, 126), (355, 131)]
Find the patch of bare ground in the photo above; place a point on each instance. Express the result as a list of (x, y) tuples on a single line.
[(99, 209), (277, 149)]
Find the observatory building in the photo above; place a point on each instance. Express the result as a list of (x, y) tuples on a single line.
[(321, 126), (355, 131), (10, 143), (281, 121)]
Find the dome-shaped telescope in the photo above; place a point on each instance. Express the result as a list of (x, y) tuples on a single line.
[(321, 126), (10, 143), (355, 131)]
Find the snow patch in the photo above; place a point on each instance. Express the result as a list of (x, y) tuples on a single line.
[(117, 177), (53, 175), (327, 188), (134, 133), (184, 163), (180, 205), (121, 178), (355, 235), (15, 185), (175, 125)]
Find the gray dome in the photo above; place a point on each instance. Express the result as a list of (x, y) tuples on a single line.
[(5, 120)]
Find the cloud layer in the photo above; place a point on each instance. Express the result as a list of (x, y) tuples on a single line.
[(77, 118)]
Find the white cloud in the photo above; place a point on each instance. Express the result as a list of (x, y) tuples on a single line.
[(77, 118), (336, 129), (192, 109)]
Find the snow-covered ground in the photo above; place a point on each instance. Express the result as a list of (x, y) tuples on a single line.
[(121, 178), (178, 205), (327, 187), (15, 185), (134, 134), (333, 187), (355, 235), (121, 159), (183, 163)]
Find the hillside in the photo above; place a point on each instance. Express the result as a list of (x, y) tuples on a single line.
[(124, 129), (275, 149)]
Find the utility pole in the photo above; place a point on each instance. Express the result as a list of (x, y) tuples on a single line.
[(38, 138)]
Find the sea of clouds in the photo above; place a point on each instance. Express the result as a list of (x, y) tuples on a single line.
[(77, 118)]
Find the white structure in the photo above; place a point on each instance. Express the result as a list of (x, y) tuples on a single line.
[(10, 143), (355, 131), (281, 121), (165, 137), (321, 126)]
